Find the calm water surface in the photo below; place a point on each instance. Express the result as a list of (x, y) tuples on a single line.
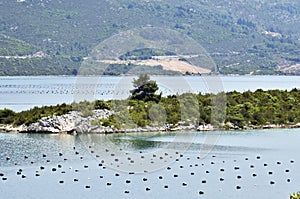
[(249, 164), (20, 93)]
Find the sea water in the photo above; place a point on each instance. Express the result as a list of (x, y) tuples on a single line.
[(222, 164)]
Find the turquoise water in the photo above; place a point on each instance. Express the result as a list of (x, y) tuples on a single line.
[(20, 93), (224, 164)]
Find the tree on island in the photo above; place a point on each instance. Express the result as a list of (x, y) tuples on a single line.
[(145, 89)]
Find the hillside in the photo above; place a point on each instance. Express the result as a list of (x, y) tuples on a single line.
[(242, 37)]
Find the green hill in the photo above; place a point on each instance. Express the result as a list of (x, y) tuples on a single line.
[(242, 37)]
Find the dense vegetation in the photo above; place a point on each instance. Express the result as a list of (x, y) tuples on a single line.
[(144, 53), (131, 69), (38, 66), (241, 36), (32, 115), (256, 108)]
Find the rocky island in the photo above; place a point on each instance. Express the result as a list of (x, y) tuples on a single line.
[(147, 111)]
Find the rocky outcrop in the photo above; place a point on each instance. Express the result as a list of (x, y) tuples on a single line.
[(73, 122)]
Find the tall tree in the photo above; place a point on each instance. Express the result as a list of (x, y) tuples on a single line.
[(145, 89)]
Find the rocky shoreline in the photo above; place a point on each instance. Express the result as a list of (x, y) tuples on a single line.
[(74, 123)]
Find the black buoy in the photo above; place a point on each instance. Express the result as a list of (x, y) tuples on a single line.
[(148, 189), (201, 192)]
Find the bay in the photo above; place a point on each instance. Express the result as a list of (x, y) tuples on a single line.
[(223, 164)]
